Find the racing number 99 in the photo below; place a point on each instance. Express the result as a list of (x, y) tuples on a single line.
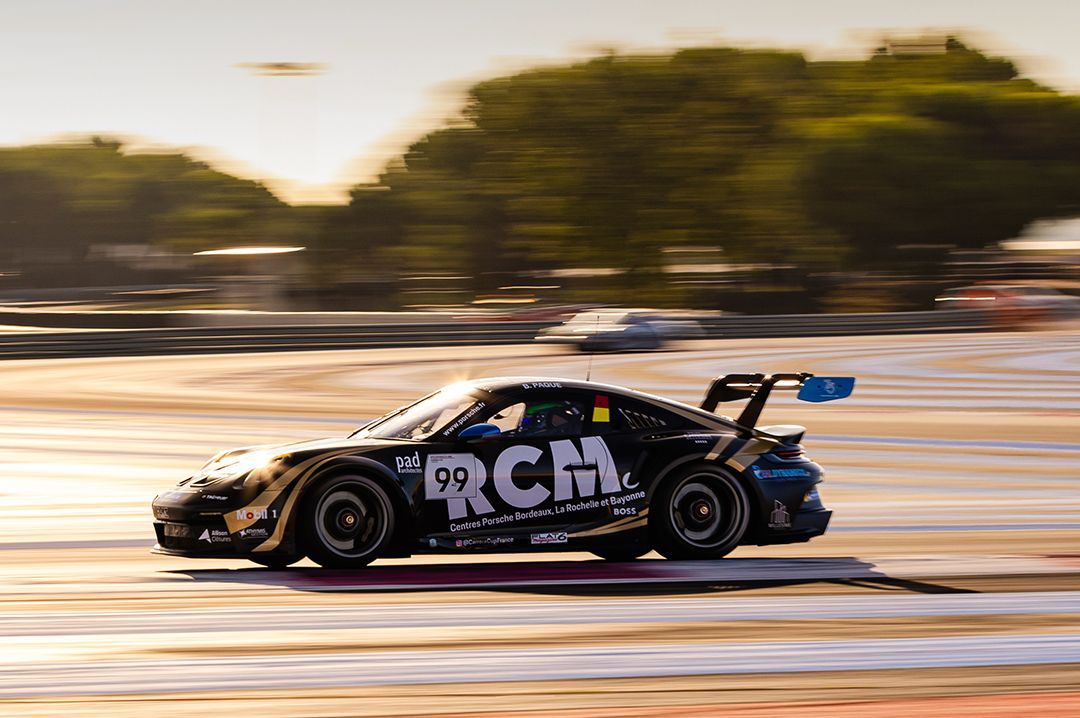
[(459, 477), (452, 476)]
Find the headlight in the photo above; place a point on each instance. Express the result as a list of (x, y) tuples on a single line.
[(267, 473), (232, 469)]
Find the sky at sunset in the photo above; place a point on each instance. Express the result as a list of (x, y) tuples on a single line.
[(167, 72)]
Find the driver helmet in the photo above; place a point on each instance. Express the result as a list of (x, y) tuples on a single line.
[(550, 417)]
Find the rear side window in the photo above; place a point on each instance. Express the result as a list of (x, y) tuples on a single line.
[(629, 415)]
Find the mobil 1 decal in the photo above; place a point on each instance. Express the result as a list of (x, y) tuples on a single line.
[(560, 481)]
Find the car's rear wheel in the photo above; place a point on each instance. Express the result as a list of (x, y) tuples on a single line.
[(702, 513), (347, 522)]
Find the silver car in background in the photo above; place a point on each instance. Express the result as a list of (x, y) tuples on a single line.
[(614, 330)]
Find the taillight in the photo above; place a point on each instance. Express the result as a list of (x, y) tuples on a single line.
[(795, 453)]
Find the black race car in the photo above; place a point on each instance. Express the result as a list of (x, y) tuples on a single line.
[(515, 465)]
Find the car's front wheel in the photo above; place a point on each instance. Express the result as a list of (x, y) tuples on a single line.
[(701, 513), (347, 522)]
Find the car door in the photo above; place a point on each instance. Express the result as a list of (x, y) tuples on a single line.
[(541, 473), (545, 471)]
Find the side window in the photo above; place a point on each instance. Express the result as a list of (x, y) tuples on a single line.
[(541, 417), (508, 419), (629, 415)]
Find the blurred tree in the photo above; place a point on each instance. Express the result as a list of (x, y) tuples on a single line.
[(755, 156), (59, 201), (760, 154)]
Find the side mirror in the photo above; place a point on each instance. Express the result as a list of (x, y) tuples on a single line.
[(471, 432)]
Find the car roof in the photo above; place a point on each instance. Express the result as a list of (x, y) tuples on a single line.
[(507, 384), (513, 385)]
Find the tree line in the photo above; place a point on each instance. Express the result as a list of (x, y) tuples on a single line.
[(759, 156)]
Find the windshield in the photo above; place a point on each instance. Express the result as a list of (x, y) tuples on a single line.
[(422, 419)]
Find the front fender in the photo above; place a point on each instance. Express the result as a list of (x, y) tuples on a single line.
[(401, 495)]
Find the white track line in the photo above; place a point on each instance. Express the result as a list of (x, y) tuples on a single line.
[(531, 613), (234, 673)]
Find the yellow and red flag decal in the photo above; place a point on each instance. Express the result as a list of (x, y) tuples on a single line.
[(600, 411)]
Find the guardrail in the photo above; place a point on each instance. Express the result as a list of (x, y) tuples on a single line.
[(218, 340)]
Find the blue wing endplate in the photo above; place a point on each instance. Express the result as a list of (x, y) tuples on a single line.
[(826, 388)]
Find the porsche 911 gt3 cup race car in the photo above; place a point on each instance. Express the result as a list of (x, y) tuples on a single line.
[(514, 465)]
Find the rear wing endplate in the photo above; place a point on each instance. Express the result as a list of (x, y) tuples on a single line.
[(757, 387)]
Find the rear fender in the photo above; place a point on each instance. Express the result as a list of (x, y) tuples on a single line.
[(753, 489)]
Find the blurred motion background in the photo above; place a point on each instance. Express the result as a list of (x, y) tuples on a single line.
[(703, 172), (429, 186)]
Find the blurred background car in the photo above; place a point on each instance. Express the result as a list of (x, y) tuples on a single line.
[(614, 330), (1012, 302)]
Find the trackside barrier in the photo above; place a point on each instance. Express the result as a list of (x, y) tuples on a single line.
[(218, 340)]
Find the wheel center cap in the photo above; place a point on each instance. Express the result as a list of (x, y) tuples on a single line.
[(701, 509), (347, 519)]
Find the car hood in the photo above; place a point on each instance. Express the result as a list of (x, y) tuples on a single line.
[(251, 457)]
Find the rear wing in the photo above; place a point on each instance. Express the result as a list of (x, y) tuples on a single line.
[(757, 387)]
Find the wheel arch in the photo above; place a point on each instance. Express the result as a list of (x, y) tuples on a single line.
[(404, 525), (750, 486)]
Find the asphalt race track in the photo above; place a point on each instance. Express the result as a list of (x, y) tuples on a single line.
[(948, 584)]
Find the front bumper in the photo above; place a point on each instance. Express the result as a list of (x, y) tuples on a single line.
[(209, 539)]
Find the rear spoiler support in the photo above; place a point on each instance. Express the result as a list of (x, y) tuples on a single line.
[(755, 387)]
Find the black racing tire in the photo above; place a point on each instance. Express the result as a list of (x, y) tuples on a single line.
[(700, 513), (276, 563), (346, 522), (621, 552)]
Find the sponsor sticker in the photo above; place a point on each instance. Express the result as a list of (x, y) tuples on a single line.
[(464, 418), (408, 464), (585, 478), (548, 538), (215, 497), (542, 385), (483, 541), (254, 533), (780, 473), (215, 536), (779, 518), (256, 514), (452, 476)]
